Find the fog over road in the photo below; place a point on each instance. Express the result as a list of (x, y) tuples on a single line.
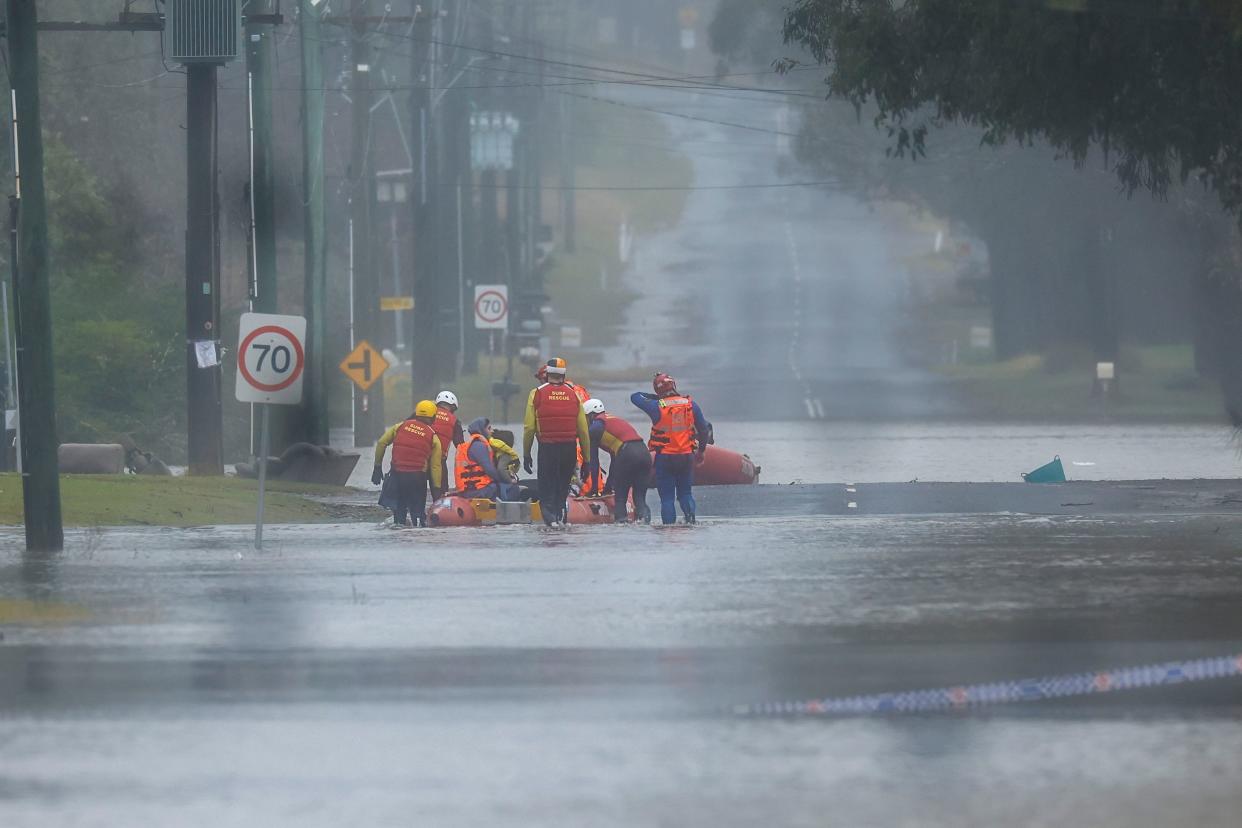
[(776, 303)]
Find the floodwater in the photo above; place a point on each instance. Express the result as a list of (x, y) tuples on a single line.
[(819, 452), (358, 675), (816, 451)]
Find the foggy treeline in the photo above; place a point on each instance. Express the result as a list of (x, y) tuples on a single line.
[(1075, 261)]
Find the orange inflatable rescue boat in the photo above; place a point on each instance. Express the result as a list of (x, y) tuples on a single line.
[(721, 467), (459, 510)]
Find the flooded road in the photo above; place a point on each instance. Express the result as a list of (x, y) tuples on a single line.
[(458, 677), (358, 675)]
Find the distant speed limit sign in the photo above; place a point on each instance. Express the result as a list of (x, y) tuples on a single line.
[(271, 358), (491, 307)]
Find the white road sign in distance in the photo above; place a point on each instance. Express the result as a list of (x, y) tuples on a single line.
[(491, 307), (271, 357)]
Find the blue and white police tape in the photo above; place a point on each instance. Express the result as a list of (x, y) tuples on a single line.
[(1006, 692)]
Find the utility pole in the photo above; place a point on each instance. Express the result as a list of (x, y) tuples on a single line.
[(263, 285), (533, 146), (569, 163), (32, 297), (202, 252), (259, 49), (315, 406), (368, 405), (424, 348), (448, 117), (491, 259)]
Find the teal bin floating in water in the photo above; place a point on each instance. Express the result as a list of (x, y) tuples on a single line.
[(1052, 472)]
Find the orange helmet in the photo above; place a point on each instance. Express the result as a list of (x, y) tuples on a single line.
[(556, 365), (664, 384)]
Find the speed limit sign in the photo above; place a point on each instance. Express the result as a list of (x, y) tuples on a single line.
[(271, 357), (491, 307)]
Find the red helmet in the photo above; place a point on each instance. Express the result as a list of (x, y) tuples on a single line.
[(664, 384), (542, 374)]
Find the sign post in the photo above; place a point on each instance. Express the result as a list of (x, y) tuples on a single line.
[(491, 314), (271, 358)]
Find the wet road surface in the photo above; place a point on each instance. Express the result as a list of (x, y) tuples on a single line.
[(460, 677), (776, 303)]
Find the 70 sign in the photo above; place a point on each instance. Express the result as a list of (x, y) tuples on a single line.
[(271, 359)]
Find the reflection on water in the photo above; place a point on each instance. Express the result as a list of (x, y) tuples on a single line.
[(820, 452)]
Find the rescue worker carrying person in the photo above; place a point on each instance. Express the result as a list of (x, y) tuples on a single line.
[(679, 436), (416, 462), (478, 474), (554, 415), (447, 428), (631, 462)]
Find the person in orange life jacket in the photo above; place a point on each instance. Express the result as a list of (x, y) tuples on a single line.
[(416, 461), (555, 416), (447, 428), (631, 462), (679, 436), (477, 473)]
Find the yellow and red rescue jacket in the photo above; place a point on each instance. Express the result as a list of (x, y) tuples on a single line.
[(617, 432), (674, 433), (557, 409), (412, 447), (470, 475), (444, 426)]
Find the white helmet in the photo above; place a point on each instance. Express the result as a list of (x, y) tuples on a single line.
[(593, 406), (447, 397)]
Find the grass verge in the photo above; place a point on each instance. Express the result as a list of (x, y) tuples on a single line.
[(126, 500), (1156, 384)]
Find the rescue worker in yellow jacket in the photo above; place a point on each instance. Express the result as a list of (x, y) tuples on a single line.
[(416, 463), (554, 415), (631, 463)]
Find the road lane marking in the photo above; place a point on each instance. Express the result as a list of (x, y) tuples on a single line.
[(795, 339), (973, 696)]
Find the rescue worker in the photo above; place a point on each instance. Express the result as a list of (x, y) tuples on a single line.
[(416, 462), (541, 376), (595, 485), (447, 428), (478, 474), (679, 436), (631, 462), (555, 416)]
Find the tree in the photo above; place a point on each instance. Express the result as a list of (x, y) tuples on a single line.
[(1151, 82), (1148, 86)]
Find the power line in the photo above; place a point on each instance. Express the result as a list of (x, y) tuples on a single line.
[(682, 115), (780, 185)]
